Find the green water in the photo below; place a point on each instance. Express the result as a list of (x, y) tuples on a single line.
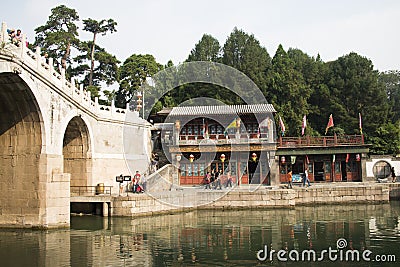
[(210, 238)]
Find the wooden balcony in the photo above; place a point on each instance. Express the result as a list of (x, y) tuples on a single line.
[(222, 139), (284, 142), (324, 141)]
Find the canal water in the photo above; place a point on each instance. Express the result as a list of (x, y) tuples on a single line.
[(217, 238)]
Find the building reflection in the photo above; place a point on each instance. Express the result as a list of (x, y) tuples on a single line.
[(234, 237), (204, 238)]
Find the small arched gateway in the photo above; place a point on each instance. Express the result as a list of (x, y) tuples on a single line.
[(76, 152)]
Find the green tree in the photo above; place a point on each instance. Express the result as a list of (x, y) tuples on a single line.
[(354, 88), (59, 34), (288, 91), (313, 71), (391, 81), (207, 49), (97, 27), (244, 52), (386, 139), (106, 68), (133, 74)]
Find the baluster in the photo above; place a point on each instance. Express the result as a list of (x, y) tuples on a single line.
[(81, 92), (96, 103), (4, 35), (38, 58), (51, 68), (23, 45), (112, 106), (88, 95), (62, 78)]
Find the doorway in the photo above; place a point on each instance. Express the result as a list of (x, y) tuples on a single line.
[(343, 169), (318, 171)]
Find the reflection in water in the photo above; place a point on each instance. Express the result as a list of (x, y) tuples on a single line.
[(206, 238)]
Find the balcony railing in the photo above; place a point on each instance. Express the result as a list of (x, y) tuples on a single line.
[(222, 139), (326, 141), (306, 141)]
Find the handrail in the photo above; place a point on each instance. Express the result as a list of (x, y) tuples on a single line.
[(90, 190)]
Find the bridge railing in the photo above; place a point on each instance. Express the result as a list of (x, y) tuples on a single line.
[(45, 68)]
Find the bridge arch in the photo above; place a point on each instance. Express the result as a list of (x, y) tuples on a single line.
[(21, 142), (77, 152)]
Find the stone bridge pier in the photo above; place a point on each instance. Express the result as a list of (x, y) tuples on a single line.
[(53, 136)]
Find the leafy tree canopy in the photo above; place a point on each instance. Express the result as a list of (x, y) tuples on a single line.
[(133, 74), (59, 33), (207, 49), (97, 27)]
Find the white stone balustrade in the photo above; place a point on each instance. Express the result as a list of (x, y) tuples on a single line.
[(33, 60)]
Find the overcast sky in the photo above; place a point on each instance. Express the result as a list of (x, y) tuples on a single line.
[(169, 29)]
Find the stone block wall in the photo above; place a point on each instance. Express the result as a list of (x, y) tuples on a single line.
[(244, 199), (342, 194)]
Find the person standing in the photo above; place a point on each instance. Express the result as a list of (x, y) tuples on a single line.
[(306, 180), (229, 180), (207, 181), (218, 179), (143, 182), (393, 174), (212, 179), (290, 178)]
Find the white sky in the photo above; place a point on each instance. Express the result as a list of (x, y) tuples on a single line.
[(170, 29)]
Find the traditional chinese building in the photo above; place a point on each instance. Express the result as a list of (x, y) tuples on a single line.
[(241, 141), (236, 140), (327, 158)]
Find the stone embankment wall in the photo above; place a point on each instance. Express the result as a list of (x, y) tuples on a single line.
[(242, 198), (394, 191)]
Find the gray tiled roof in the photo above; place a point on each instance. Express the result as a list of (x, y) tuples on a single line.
[(215, 110)]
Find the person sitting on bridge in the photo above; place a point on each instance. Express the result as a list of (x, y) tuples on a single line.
[(136, 188), (18, 36), (11, 33)]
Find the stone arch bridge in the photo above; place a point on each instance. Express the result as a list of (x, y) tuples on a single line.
[(53, 136)]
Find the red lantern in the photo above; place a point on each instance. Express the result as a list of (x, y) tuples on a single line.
[(283, 159), (358, 158)]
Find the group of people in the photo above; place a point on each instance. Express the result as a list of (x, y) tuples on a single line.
[(15, 36), (304, 179), (138, 183), (213, 180)]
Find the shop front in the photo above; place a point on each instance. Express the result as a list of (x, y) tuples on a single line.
[(327, 159), (322, 168), (243, 167)]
